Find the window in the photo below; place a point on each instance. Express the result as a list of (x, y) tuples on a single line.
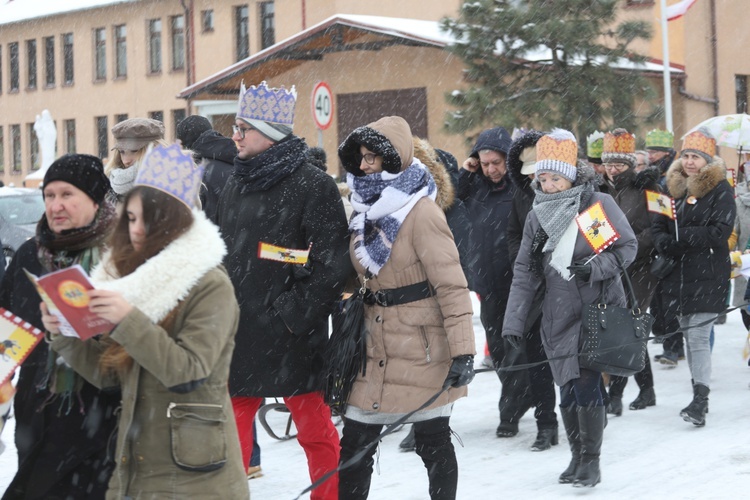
[(207, 20), (121, 118), (13, 61), (67, 40), (740, 92), (49, 61), (178, 42), (15, 147), (34, 159), (177, 116), (100, 54), (267, 31), (121, 51), (70, 136), (154, 46), (31, 63), (241, 32), (156, 115), (2, 150), (102, 140)]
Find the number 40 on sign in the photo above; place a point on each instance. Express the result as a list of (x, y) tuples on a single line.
[(322, 105)]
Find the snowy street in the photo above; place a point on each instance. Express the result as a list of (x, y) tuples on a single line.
[(646, 454)]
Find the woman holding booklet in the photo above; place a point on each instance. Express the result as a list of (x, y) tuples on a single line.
[(63, 423), (170, 351)]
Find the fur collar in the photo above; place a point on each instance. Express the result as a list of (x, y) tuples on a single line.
[(514, 163), (159, 284), (446, 194), (698, 185)]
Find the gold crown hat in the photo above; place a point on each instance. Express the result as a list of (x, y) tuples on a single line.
[(700, 141), (619, 147), (269, 110), (660, 140), (557, 152), (594, 145), (169, 169)]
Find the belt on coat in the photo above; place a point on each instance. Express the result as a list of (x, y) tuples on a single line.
[(397, 296)]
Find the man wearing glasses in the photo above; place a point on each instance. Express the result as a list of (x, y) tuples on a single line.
[(287, 240)]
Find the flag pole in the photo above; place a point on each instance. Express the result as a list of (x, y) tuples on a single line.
[(666, 67)]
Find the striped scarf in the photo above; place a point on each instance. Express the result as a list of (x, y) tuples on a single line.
[(381, 202)]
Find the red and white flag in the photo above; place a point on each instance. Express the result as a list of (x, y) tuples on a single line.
[(677, 10)]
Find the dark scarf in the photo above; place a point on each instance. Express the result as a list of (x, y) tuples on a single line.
[(263, 171), (58, 251)]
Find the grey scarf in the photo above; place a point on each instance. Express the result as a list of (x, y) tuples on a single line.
[(556, 210), (122, 179)]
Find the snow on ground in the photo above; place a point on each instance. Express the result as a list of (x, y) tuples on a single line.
[(651, 453)]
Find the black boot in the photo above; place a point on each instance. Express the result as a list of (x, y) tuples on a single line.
[(507, 429), (591, 422), (354, 481), (408, 443), (439, 458), (696, 411), (615, 406), (545, 439), (646, 398), (570, 422)]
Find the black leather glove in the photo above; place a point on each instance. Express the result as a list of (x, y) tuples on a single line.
[(581, 271), (675, 248), (514, 341), (461, 372)]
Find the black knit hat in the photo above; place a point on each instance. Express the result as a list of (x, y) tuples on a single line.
[(494, 139), (85, 172), (189, 129)]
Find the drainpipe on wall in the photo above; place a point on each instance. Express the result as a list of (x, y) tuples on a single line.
[(304, 18), (189, 48), (714, 54), (683, 92)]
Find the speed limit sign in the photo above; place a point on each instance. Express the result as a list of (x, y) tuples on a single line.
[(322, 105)]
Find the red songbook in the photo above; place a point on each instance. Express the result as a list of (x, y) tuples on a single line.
[(66, 294)]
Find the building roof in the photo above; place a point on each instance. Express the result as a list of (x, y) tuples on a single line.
[(344, 32), (15, 11)]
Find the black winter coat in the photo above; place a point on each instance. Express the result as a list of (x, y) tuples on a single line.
[(489, 208), (60, 454), (217, 157), (705, 217), (284, 307)]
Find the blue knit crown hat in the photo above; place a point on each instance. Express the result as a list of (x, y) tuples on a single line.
[(269, 110), (169, 169)]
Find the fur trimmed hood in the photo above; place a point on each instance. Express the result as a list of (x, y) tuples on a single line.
[(699, 185), (446, 194), (389, 137), (514, 163), (158, 285)]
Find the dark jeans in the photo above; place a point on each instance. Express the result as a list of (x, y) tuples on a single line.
[(584, 391), (665, 323)]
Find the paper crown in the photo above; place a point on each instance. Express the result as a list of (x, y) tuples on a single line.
[(698, 141), (270, 105), (659, 139), (594, 144), (168, 169), (557, 152), (620, 143)]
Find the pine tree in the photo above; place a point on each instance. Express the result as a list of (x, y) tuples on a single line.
[(545, 63)]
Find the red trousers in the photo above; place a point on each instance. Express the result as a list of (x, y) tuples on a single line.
[(315, 433)]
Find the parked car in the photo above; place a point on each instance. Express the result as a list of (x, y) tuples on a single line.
[(20, 210)]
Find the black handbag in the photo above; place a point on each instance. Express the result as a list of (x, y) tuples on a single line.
[(346, 352), (662, 266), (613, 339)]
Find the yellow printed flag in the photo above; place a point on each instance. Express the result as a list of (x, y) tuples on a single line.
[(17, 339), (732, 177), (661, 204), (596, 227), (280, 254)]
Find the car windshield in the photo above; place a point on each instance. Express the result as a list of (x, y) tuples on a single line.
[(22, 209)]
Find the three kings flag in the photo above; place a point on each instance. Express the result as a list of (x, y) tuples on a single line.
[(660, 204), (596, 227), (17, 339)]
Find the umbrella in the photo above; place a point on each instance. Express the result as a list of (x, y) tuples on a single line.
[(729, 130)]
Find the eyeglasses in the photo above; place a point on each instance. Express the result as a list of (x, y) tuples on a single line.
[(241, 131), (615, 166), (370, 158)]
